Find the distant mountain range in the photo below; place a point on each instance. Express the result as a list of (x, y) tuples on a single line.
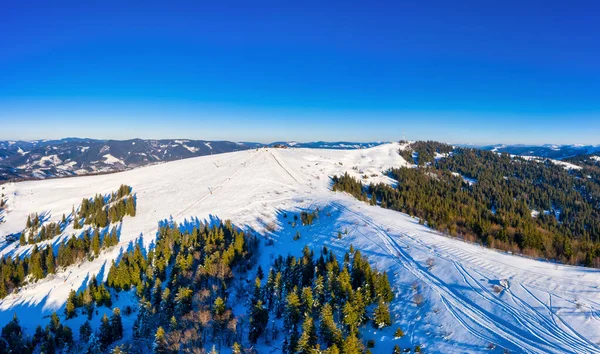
[(76, 156), (557, 152)]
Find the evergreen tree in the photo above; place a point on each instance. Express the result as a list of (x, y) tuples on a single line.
[(85, 331), (236, 348), (352, 344), (71, 304), (259, 273), (94, 346), (50, 264), (105, 336), (96, 242), (12, 336), (292, 310), (308, 339), (328, 329), (381, 317), (259, 317), (160, 342), (116, 325)]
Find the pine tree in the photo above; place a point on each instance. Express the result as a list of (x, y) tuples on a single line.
[(36, 265), (308, 339), (160, 342), (71, 304), (328, 329), (292, 310), (96, 242), (381, 317), (183, 301), (130, 206), (116, 325), (94, 346), (236, 348), (352, 344), (12, 337), (259, 273), (22, 240), (259, 317), (307, 300), (85, 331), (105, 331), (50, 266)]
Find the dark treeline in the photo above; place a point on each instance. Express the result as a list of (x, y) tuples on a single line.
[(496, 210), (56, 337)]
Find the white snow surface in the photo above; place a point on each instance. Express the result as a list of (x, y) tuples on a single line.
[(469, 181), (595, 158), (564, 164), (49, 160), (111, 160), (539, 307)]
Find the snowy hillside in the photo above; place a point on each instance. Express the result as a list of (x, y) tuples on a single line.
[(451, 296)]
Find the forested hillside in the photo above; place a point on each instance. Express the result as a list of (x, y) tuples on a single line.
[(187, 284), (536, 207)]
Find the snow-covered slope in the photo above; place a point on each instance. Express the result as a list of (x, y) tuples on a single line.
[(472, 296)]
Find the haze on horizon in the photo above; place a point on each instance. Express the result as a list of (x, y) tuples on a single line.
[(513, 72)]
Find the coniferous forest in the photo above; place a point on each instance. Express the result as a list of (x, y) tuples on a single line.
[(44, 260), (187, 283), (534, 207)]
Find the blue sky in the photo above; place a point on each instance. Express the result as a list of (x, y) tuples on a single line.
[(468, 71)]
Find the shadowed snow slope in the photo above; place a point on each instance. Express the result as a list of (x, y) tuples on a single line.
[(472, 296)]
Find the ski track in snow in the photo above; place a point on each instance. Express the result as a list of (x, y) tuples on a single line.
[(546, 307)]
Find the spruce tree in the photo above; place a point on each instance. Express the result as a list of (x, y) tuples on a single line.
[(308, 339), (259, 317), (328, 329), (116, 325), (96, 242), (352, 344), (50, 266), (381, 317), (236, 348), (71, 304), (292, 310), (94, 346), (160, 342), (105, 331), (85, 331)]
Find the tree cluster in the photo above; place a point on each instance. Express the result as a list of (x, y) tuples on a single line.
[(424, 152), (42, 261), (101, 211)]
